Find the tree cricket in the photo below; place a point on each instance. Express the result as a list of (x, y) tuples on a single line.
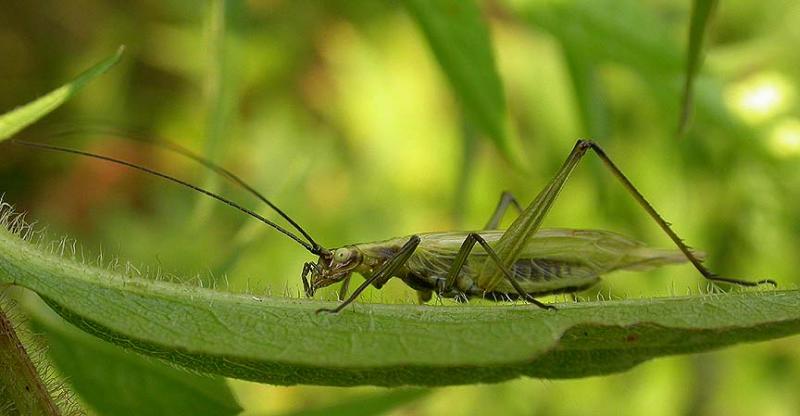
[(521, 262)]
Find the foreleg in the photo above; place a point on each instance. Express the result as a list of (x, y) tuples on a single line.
[(385, 271)]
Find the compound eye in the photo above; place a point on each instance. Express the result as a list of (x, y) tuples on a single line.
[(341, 255)]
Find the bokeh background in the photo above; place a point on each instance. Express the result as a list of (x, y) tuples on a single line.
[(341, 114)]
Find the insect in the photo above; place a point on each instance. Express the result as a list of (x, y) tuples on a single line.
[(521, 262)]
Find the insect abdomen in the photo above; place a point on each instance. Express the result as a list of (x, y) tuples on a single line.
[(542, 276), (534, 275), (541, 270)]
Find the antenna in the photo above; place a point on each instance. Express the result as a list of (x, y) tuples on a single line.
[(183, 151), (313, 247)]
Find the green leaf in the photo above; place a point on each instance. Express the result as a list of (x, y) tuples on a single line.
[(283, 341), (460, 41), (702, 10), (113, 381), (21, 117), (373, 404)]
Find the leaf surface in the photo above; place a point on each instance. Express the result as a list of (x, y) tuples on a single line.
[(282, 341)]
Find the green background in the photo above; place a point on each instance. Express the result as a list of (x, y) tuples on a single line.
[(341, 113)]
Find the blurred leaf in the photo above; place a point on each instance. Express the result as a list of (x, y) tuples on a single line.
[(588, 93), (283, 341), (625, 32), (373, 404), (701, 14), (113, 381), (608, 30), (21, 117), (460, 41), (219, 100), (469, 141)]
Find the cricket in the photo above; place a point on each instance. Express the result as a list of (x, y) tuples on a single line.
[(524, 261)]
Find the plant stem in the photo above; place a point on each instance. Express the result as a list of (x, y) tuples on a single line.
[(23, 389)]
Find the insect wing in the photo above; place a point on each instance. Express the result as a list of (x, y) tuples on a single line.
[(574, 257), (596, 251)]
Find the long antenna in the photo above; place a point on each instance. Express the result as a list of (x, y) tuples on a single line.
[(175, 147), (313, 249)]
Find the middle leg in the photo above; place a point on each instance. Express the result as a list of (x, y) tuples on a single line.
[(506, 200), (461, 258)]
